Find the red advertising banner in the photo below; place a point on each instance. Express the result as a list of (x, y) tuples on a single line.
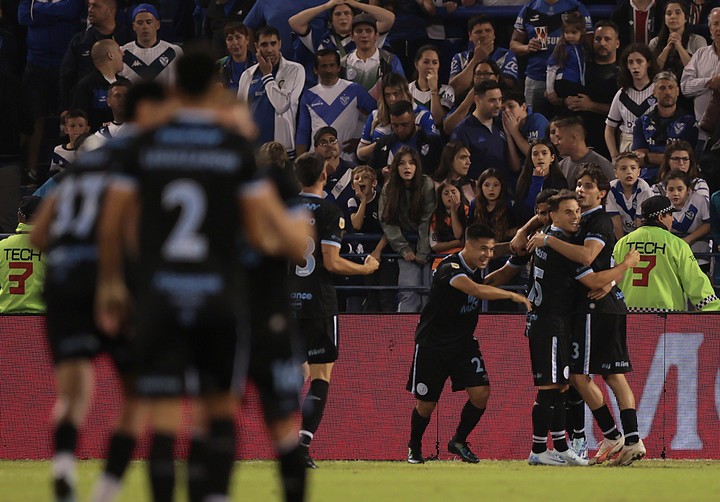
[(675, 378)]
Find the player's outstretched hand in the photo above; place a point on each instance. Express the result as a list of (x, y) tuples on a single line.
[(632, 258), (371, 264), (521, 299), (112, 304)]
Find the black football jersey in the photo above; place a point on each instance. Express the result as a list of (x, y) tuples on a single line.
[(450, 316), (554, 279), (596, 225), (72, 250), (312, 293), (189, 175)]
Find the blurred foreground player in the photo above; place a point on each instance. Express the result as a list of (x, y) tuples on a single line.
[(67, 228), (312, 292), (181, 195), (446, 346)]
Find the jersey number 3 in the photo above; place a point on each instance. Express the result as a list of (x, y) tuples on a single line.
[(644, 272), (309, 260)]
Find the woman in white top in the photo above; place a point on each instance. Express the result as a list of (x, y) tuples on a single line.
[(426, 89), (635, 97), (675, 45)]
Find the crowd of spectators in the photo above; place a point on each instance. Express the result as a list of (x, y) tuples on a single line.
[(431, 114)]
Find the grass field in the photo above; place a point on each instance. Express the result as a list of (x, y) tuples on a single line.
[(654, 480)]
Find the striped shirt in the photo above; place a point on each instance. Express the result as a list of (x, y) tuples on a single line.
[(629, 104)]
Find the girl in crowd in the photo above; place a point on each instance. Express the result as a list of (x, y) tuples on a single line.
[(427, 90), (680, 155), (692, 220), (454, 167), (635, 97), (447, 228), (492, 206), (393, 88), (566, 65), (407, 202), (540, 171)]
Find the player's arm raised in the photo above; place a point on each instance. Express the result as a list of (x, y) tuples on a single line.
[(485, 292), (596, 280)]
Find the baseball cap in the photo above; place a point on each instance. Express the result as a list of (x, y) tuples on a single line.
[(657, 205), (28, 205), (322, 132), (364, 18), (146, 7)]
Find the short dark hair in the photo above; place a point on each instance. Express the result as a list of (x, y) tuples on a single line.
[(486, 85), (195, 69), (235, 26), (147, 90), (76, 113), (401, 108), (572, 121), (308, 168), (544, 195), (607, 23), (563, 195), (478, 231), (677, 174), (326, 52), (596, 174), (266, 31), (480, 19), (119, 83), (513, 95)]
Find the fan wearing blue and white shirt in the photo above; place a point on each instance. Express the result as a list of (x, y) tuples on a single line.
[(148, 57), (272, 89), (334, 102), (338, 36)]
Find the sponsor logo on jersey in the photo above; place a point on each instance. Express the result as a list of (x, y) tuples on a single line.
[(136, 63), (281, 83), (454, 265)]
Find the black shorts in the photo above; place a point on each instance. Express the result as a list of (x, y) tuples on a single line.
[(431, 368), (549, 338), (599, 344), (276, 353), (321, 339), (73, 334), (179, 352)]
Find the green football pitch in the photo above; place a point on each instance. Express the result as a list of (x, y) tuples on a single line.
[(445, 481)]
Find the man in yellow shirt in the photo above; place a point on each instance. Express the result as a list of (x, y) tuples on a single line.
[(22, 269)]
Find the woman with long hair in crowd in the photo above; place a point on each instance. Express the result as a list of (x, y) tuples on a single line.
[(637, 69), (454, 166), (680, 155), (447, 228), (492, 205), (540, 171), (426, 89), (407, 202)]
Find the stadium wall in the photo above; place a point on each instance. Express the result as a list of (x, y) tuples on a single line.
[(676, 380)]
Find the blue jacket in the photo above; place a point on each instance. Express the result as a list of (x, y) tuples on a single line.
[(50, 28)]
